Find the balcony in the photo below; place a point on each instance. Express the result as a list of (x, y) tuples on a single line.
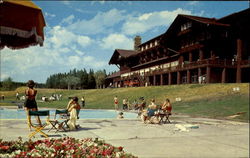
[(193, 65)]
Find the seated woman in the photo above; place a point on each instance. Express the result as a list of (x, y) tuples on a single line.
[(73, 107), (152, 109), (166, 106)]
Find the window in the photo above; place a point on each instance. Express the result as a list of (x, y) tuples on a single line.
[(186, 26), (156, 43)]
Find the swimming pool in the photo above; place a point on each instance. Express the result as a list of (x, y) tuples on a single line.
[(84, 114)]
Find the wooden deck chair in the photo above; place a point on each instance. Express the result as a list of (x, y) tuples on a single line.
[(61, 121), (38, 128)]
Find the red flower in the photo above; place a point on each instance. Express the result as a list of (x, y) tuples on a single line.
[(5, 147), (120, 148)]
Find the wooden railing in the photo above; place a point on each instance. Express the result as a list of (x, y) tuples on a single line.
[(195, 64)]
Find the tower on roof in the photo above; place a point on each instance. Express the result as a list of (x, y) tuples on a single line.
[(137, 42)]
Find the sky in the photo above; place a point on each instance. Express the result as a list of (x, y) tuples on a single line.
[(84, 34)]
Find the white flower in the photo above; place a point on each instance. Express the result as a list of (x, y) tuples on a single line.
[(118, 154), (18, 152)]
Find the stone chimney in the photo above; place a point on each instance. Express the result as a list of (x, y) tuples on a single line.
[(137, 42)]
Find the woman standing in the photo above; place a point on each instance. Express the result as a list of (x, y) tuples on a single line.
[(73, 107), (30, 101)]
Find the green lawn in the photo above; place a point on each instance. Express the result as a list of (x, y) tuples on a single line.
[(206, 100)]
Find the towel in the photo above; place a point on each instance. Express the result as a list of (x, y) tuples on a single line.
[(72, 119)]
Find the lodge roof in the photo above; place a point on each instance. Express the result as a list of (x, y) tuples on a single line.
[(126, 53), (211, 21), (113, 75), (121, 53), (152, 39), (246, 11)]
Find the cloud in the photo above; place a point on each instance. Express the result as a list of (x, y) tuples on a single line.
[(68, 20), (193, 3), (49, 15), (99, 23), (148, 21), (114, 41), (94, 63), (63, 50), (65, 2), (81, 43), (74, 60), (60, 36)]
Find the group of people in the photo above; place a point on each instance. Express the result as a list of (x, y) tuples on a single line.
[(144, 111), (126, 105), (73, 106), (155, 110)]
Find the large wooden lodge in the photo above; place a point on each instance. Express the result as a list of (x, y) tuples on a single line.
[(193, 50)]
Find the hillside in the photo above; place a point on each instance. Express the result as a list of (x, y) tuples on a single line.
[(207, 100)]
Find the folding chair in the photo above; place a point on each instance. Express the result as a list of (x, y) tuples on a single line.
[(166, 116), (61, 122), (38, 128)]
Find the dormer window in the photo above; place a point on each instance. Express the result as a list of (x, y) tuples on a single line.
[(146, 46), (186, 26), (151, 44), (156, 43)]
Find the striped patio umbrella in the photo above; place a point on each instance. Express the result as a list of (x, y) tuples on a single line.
[(21, 24)]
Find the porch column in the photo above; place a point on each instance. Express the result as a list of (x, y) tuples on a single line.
[(169, 78), (223, 77), (178, 77), (154, 80), (239, 56), (199, 72), (190, 57), (208, 75), (201, 54), (188, 76), (161, 82), (181, 60)]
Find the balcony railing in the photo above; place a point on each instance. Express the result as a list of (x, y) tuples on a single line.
[(191, 65)]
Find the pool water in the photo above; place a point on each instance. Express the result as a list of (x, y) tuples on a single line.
[(84, 114)]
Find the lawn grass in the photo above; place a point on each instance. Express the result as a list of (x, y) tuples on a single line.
[(204, 100)]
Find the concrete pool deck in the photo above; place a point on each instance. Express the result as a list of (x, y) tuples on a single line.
[(213, 138)]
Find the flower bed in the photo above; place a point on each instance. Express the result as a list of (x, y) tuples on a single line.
[(66, 147)]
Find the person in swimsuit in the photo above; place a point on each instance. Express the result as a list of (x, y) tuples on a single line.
[(73, 108), (116, 103), (166, 106), (30, 100)]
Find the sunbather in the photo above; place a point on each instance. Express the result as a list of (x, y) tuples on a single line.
[(151, 111), (166, 106), (73, 107)]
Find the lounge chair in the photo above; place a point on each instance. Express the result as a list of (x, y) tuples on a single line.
[(60, 122), (38, 128)]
